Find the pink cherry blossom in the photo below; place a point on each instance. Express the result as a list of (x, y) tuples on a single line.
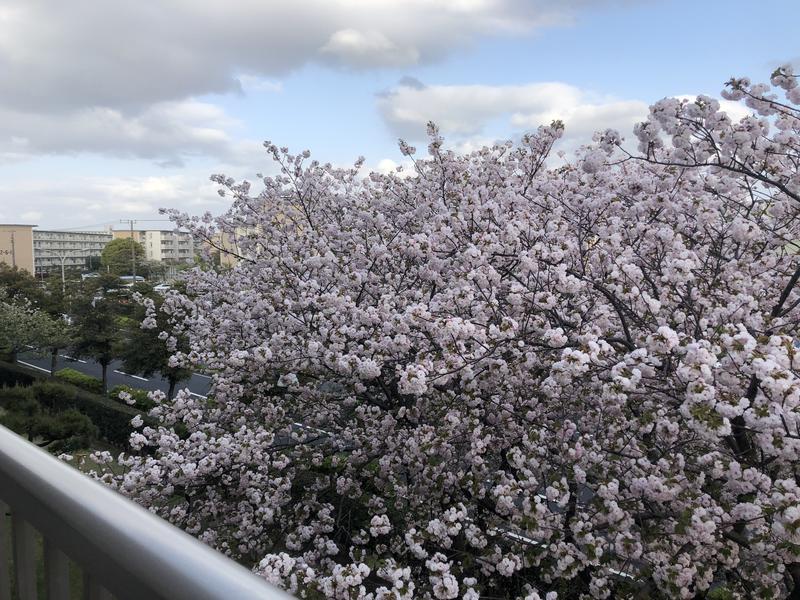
[(496, 378)]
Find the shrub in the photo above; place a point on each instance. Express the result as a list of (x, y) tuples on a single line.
[(12, 396), (111, 418), (53, 394), (87, 382), (70, 430), (20, 410), (38, 413), (142, 401)]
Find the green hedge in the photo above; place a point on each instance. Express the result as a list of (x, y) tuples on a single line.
[(87, 382), (112, 418)]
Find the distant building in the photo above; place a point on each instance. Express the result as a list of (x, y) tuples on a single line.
[(16, 246), (75, 247), (223, 248), (166, 246)]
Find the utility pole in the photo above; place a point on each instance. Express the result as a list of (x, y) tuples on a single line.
[(133, 244), (133, 253), (133, 247), (13, 251)]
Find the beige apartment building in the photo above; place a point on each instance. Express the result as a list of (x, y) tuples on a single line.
[(167, 246), (16, 246)]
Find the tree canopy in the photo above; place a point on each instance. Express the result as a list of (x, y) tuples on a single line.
[(117, 256), (97, 331), (492, 377), (23, 326)]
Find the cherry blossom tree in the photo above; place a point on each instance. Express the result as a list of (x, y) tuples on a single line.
[(493, 378)]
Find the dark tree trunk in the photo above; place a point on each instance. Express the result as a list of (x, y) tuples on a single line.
[(172, 383), (53, 361), (105, 377), (12, 356)]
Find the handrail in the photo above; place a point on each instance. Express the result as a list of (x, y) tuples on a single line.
[(125, 548)]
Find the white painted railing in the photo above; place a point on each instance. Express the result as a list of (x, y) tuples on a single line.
[(124, 551)]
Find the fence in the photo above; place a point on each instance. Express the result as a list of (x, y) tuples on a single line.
[(124, 551)]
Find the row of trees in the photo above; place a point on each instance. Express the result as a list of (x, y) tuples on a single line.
[(94, 319)]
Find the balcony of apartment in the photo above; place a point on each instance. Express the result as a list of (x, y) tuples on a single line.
[(123, 550)]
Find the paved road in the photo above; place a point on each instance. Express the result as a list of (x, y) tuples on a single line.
[(197, 384)]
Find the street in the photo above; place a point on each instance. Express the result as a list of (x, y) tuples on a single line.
[(198, 384)]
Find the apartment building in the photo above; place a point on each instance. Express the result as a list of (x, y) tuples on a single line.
[(167, 246), (75, 248), (222, 249), (16, 245)]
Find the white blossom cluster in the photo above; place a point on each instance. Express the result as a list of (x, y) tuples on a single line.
[(495, 379)]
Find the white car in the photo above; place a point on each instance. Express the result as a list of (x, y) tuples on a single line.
[(162, 288)]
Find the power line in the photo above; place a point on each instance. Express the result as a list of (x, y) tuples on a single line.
[(83, 227)]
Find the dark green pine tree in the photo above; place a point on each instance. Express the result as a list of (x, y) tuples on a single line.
[(97, 331)]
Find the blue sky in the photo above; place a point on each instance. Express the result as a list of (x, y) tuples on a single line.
[(109, 114)]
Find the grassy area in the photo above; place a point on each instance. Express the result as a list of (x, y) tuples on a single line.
[(81, 460)]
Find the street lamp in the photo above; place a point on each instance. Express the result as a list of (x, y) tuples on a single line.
[(62, 257)]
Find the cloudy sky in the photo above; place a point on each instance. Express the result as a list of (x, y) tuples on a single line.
[(110, 110)]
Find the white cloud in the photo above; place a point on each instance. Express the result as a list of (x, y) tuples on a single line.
[(84, 201), (368, 49), (471, 115), (466, 112), (121, 78), (31, 215), (123, 54), (386, 166), (254, 83), (168, 132)]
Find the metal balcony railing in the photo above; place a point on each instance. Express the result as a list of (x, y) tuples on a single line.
[(124, 551)]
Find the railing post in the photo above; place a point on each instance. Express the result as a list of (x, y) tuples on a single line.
[(56, 574), (24, 558), (5, 559), (92, 590)]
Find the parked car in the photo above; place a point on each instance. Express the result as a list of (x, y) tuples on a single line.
[(131, 279)]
